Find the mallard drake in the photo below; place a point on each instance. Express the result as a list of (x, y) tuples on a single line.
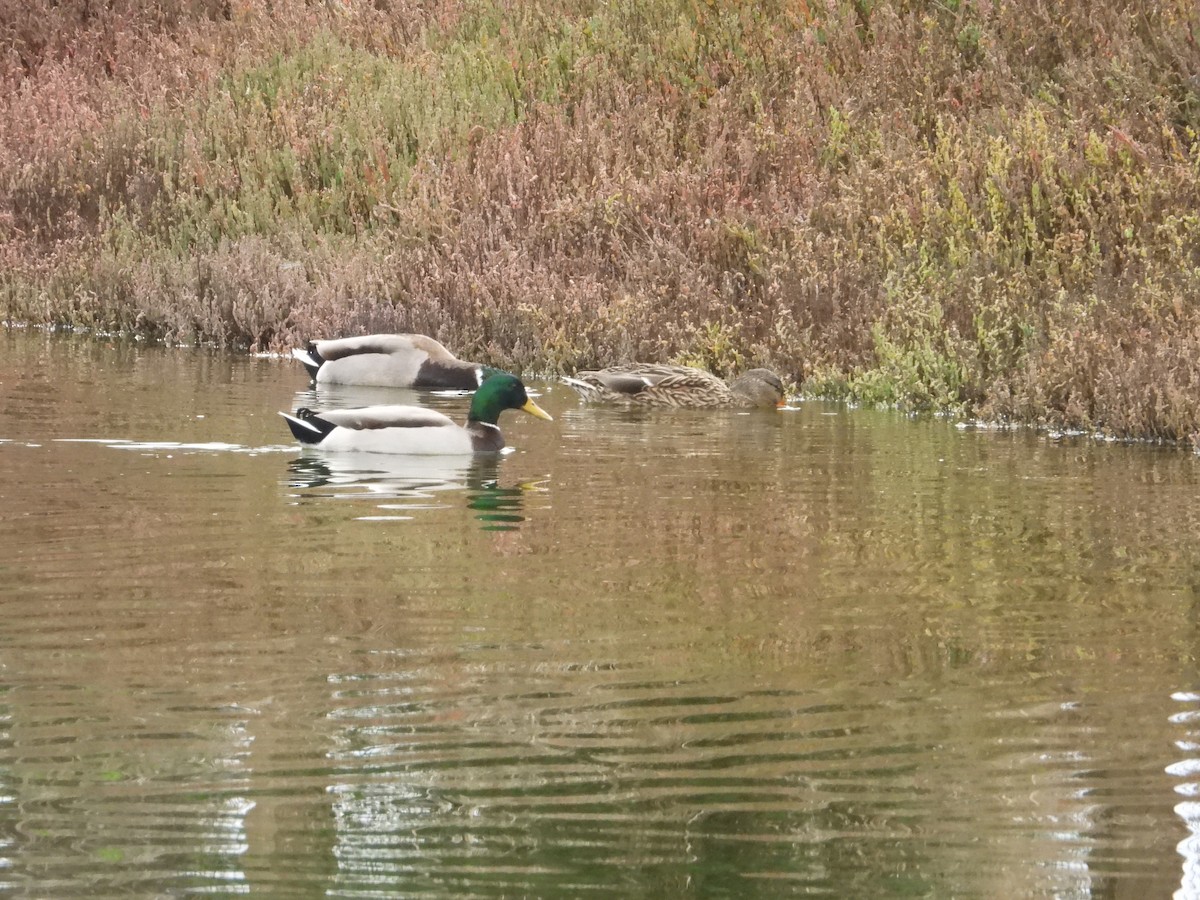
[(389, 360), (413, 429), (647, 384)]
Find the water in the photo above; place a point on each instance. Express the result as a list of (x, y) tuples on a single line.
[(822, 652)]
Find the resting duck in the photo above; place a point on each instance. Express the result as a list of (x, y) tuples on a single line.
[(646, 384), (414, 430), (389, 360)]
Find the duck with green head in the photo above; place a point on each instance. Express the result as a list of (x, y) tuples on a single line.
[(413, 429)]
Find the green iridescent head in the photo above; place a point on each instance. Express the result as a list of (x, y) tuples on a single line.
[(499, 392)]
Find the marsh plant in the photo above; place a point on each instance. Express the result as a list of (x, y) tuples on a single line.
[(988, 208)]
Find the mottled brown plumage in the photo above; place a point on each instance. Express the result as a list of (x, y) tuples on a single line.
[(682, 387)]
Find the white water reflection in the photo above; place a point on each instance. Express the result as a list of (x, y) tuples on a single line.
[(1188, 769), (387, 475), (398, 487), (176, 446)]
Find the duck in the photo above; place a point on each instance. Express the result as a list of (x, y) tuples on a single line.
[(415, 430), (650, 384), (389, 360)]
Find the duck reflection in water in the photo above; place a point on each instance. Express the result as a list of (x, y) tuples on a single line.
[(405, 484)]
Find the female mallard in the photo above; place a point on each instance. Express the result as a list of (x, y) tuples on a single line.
[(414, 430), (389, 360), (646, 384)]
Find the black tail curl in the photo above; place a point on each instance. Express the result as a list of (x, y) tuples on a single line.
[(307, 426)]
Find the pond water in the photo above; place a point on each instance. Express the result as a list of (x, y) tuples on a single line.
[(819, 651)]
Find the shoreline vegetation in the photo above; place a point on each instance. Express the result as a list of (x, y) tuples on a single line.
[(984, 209)]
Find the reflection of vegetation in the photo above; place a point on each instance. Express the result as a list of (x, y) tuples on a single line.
[(728, 655)]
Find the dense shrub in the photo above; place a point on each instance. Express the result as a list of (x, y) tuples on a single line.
[(991, 208)]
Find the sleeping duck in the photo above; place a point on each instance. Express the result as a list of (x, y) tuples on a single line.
[(413, 429), (647, 384), (389, 360)]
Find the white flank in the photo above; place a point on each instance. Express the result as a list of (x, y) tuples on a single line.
[(372, 369), (429, 440)]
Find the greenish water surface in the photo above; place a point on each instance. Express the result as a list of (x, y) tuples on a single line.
[(820, 651)]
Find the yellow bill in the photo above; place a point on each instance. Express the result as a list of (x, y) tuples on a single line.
[(534, 410)]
